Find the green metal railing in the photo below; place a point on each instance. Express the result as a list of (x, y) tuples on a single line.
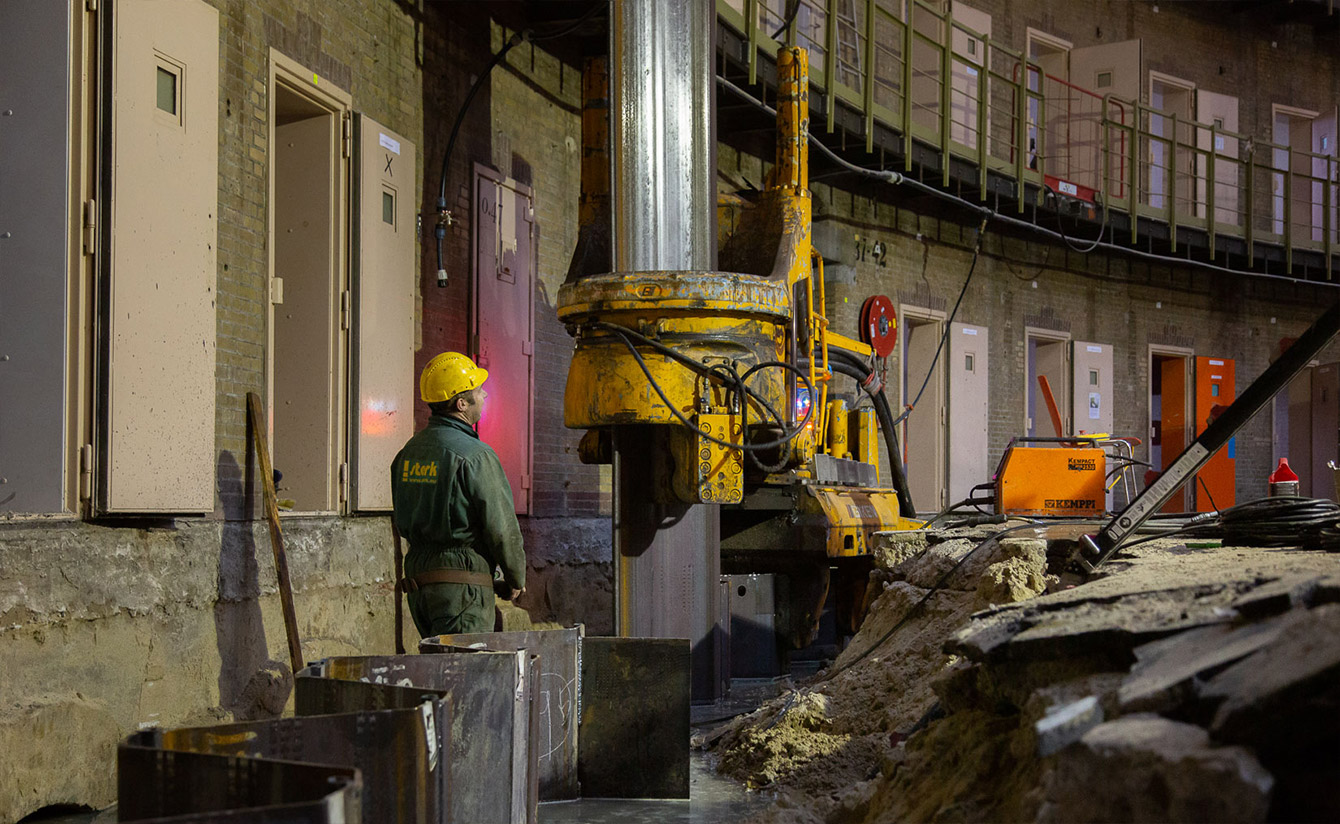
[(935, 81)]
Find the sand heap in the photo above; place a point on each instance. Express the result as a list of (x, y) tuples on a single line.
[(818, 741)]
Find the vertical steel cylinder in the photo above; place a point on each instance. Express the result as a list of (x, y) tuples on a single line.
[(662, 187), (663, 142)]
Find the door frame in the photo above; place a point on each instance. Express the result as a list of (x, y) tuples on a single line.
[(1188, 356), (295, 78), (1030, 383)]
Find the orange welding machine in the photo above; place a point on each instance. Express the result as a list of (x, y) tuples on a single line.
[(1056, 477)]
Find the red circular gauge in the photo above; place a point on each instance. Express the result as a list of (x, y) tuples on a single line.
[(879, 324)]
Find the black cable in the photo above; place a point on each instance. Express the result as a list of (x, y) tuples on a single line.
[(620, 331), (709, 372), (976, 253), (891, 442), (441, 231), (792, 7), (1102, 227)]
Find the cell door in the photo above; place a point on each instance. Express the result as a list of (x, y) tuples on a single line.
[(158, 376), (1292, 430), (1221, 111), (384, 281), (924, 430), (968, 55), (968, 418), (503, 315), (34, 285), (1091, 409), (1215, 387), (1169, 401)]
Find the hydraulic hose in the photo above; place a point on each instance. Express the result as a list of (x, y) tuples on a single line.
[(861, 373)]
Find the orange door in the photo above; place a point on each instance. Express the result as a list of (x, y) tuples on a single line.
[(1172, 427), (1215, 386)]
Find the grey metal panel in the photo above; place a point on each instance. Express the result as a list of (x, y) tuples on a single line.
[(34, 247), (634, 739), (753, 625), (557, 697), (491, 712), (158, 785)]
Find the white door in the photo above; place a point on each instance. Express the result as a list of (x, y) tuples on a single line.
[(158, 436), (968, 418), (1220, 111), (1091, 411), (384, 281)]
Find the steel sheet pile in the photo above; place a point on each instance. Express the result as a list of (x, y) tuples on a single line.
[(479, 730)]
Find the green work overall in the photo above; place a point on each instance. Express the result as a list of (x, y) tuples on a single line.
[(454, 507)]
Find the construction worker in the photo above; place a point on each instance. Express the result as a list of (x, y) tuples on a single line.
[(453, 505)]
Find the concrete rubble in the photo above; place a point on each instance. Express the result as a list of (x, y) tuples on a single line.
[(1180, 684)]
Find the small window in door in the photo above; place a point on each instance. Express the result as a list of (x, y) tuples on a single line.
[(1214, 390), (168, 90), (1093, 377), (967, 362), (388, 207), (1104, 80)]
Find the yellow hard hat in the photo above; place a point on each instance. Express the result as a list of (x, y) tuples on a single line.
[(447, 375)]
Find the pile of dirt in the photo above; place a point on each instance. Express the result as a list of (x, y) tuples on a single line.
[(814, 744), (1165, 686)]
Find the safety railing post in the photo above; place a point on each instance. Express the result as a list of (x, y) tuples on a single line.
[(1136, 133), (946, 87), (1288, 212), (830, 62), (1172, 185), (1210, 187), (869, 98), (981, 116), (1328, 218), (751, 36), (1020, 133), (908, 39), (1249, 219)]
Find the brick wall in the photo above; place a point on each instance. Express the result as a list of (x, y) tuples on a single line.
[(370, 52), (536, 114)]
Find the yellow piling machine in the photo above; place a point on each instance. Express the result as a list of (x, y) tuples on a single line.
[(734, 371)]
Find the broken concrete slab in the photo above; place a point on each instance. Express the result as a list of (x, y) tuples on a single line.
[(1167, 671), (1291, 683), (1146, 768), (1277, 597)]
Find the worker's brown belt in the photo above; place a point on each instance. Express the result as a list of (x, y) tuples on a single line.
[(413, 583)]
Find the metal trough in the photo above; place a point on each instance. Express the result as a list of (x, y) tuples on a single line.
[(557, 698), (155, 784), (491, 768)]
